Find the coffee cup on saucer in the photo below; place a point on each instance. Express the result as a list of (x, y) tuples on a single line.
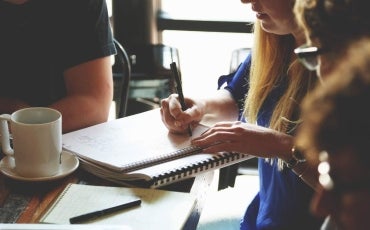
[(36, 140)]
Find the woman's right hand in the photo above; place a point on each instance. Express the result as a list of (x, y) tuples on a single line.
[(176, 120)]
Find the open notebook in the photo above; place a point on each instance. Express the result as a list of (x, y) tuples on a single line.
[(138, 150), (159, 209)]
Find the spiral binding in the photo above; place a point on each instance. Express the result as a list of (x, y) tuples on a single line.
[(218, 161), (162, 158)]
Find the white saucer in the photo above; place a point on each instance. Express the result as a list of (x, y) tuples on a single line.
[(69, 164)]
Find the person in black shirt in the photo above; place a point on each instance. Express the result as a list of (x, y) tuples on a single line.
[(56, 53)]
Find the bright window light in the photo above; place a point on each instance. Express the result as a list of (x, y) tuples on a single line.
[(204, 56)]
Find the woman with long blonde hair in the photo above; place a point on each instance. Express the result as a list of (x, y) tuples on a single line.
[(267, 90)]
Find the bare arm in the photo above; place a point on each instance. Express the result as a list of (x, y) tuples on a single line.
[(89, 94), (9, 105), (254, 140)]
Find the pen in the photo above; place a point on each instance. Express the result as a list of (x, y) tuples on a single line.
[(104, 212), (175, 74)]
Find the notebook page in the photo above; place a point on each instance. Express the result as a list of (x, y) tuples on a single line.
[(122, 142), (62, 227), (159, 209)]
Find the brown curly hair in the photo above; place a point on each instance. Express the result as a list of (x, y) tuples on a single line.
[(336, 114), (333, 24)]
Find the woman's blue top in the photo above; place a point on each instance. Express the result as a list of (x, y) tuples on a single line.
[(283, 199)]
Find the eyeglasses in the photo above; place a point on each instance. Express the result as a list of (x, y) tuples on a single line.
[(328, 184), (308, 56)]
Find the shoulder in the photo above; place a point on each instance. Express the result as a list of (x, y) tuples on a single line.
[(84, 28)]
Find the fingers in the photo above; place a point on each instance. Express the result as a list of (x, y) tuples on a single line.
[(170, 121), (176, 120), (172, 106), (213, 137), (218, 142), (221, 127), (218, 147), (224, 136), (242, 138), (228, 123)]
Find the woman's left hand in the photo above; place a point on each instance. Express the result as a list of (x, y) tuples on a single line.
[(244, 138)]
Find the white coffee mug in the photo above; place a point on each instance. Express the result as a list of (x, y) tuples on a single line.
[(37, 140)]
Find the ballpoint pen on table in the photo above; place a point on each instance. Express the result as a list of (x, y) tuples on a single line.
[(175, 74), (92, 215)]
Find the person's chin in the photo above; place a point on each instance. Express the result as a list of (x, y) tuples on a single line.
[(271, 27)]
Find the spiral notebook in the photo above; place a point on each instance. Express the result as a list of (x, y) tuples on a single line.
[(138, 150)]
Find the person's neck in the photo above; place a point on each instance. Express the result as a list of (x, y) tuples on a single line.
[(299, 36)]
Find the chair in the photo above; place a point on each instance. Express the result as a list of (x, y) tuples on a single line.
[(151, 75), (121, 75), (237, 57), (228, 174)]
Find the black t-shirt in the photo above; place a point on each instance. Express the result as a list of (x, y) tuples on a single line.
[(39, 40)]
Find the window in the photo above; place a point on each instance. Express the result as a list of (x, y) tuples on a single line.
[(224, 10), (204, 56)]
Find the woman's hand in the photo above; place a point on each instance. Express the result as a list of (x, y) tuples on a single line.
[(245, 138), (176, 120)]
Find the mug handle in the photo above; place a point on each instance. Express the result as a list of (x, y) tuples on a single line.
[(5, 135)]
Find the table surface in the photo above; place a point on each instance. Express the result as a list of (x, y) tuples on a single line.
[(25, 202)]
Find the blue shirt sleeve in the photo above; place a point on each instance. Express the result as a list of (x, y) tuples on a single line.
[(237, 83)]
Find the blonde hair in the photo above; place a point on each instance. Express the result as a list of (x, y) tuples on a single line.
[(274, 63)]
